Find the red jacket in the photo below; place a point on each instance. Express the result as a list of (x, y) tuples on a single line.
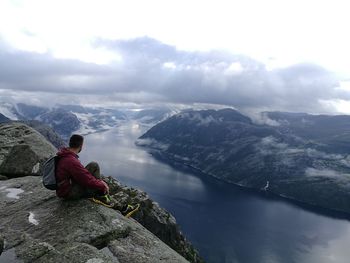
[(69, 169)]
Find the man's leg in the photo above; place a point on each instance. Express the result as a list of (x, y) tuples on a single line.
[(94, 169), (78, 191)]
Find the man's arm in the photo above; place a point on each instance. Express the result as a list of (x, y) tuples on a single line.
[(85, 178)]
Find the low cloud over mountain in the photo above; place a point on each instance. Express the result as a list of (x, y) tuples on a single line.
[(151, 72)]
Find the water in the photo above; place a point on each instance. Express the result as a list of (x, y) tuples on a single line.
[(224, 222)]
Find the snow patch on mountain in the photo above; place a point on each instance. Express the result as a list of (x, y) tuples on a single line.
[(199, 119), (8, 111)]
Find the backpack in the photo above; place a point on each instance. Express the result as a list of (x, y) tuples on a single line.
[(49, 173)]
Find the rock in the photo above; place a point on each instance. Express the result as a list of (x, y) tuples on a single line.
[(154, 218), (1, 244), (43, 228), (22, 150), (3, 177)]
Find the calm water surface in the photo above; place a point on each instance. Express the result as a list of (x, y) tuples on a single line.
[(224, 222)]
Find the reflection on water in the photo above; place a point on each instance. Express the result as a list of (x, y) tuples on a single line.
[(226, 223)]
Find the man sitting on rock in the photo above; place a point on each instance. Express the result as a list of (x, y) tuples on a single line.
[(75, 181)]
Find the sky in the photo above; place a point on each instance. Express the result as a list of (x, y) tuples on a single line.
[(252, 55)]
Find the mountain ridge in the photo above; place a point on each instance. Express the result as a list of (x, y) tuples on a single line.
[(283, 159)]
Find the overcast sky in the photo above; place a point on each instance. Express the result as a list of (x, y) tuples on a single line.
[(262, 55)]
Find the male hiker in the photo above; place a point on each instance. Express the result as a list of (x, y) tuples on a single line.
[(75, 181)]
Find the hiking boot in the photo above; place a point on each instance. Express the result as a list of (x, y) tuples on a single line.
[(129, 210)]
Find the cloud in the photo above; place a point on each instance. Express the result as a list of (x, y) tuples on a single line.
[(152, 143), (328, 173), (289, 155), (150, 71)]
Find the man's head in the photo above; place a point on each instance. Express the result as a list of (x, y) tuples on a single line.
[(76, 142)]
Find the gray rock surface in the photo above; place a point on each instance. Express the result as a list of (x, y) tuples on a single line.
[(22, 150), (3, 177), (1, 244), (39, 227), (154, 218)]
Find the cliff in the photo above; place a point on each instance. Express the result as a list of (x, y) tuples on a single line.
[(36, 226)]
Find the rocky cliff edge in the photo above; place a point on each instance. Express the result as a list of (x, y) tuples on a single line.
[(36, 226)]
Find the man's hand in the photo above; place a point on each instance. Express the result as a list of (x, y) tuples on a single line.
[(107, 187)]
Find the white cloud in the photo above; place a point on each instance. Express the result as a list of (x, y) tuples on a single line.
[(169, 65), (152, 143), (262, 118), (234, 68), (146, 73), (198, 119), (326, 173), (278, 33)]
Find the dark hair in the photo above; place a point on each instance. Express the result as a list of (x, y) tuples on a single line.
[(76, 141)]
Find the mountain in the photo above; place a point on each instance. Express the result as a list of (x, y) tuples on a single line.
[(3, 118), (9, 110), (153, 116), (62, 121), (66, 119), (37, 226), (95, 119), (300, 156), (47, 132), (29, 112), (331, 132)]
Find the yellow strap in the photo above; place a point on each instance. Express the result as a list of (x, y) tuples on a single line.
[(100, 202), (109, 206), (133, 211)]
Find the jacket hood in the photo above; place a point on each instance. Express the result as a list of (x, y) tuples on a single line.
[(66, 152)]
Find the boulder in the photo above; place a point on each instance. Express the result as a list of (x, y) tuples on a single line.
[(22, 150), (39, 227)]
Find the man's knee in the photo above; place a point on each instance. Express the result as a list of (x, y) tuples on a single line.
[(94, 169), (92, 166)]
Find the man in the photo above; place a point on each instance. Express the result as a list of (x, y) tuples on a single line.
[(73, 179)]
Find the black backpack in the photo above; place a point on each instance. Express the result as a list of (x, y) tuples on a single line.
[(49, 173)]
